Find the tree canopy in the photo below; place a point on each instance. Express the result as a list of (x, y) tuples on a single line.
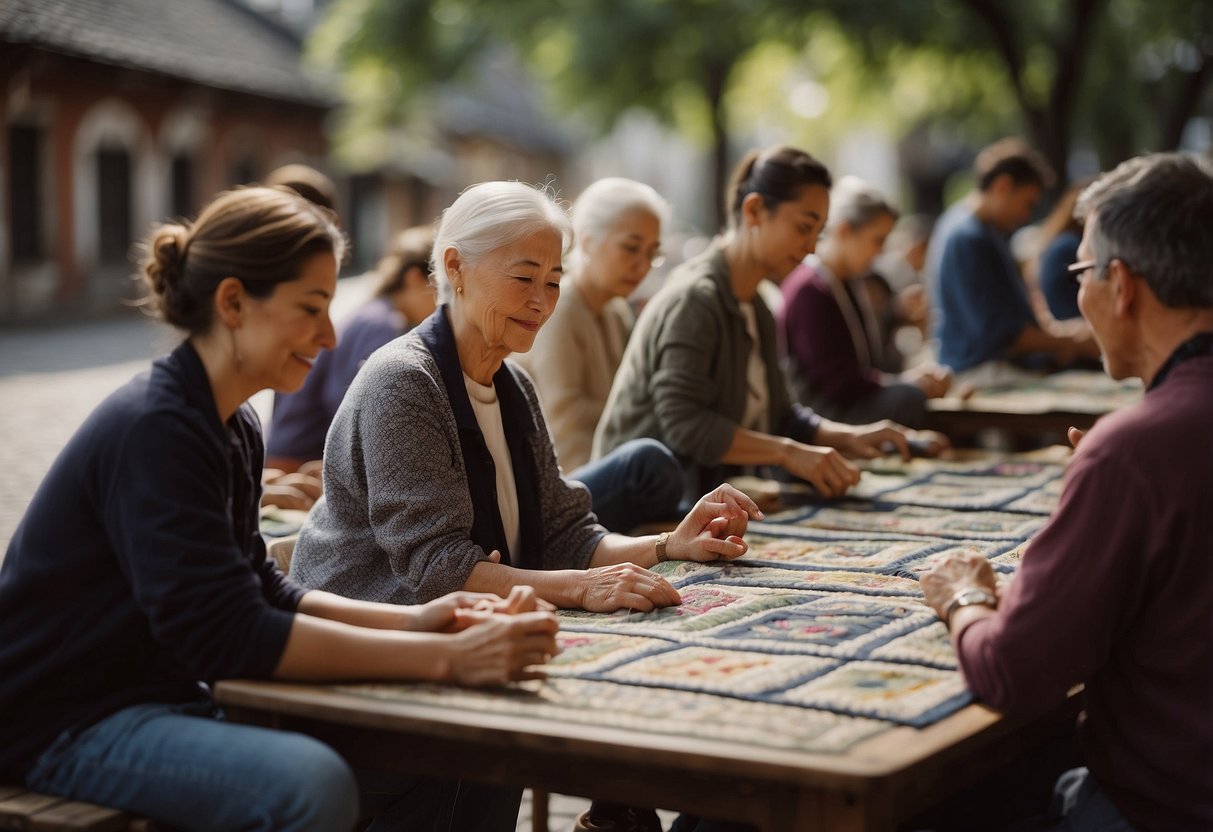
[(1115, 76)]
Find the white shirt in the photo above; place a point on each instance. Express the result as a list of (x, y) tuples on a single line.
[(488, 415)]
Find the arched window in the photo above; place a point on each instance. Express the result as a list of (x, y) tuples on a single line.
[(113, 204)]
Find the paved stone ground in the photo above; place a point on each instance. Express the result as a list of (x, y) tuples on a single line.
[(50, 380)]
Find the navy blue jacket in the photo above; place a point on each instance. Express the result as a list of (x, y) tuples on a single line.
[(138, 571)]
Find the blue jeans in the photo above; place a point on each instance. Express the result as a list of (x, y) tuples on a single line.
[(184, 766), (638, 482), (181, 765)]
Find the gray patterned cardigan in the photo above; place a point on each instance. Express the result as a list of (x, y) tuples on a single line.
[(409, 505)]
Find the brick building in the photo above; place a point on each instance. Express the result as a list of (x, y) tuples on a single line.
[(119, 113)]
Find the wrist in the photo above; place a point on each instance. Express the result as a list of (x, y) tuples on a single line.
[(968, 597), (661, 548)]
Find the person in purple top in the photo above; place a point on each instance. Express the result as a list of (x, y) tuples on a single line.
[(1116, 592), (830, 328), (403, 298), (138, 576)]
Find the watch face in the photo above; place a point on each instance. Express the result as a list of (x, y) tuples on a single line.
[(975, 596)]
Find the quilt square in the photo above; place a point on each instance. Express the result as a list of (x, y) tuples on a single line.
[(584, 653), (908, 694), (717, 670), (924, 520), (918, 564), (955, 495), (702, 607), (930, 645), (827, 554), (841, 626), (818, 580)]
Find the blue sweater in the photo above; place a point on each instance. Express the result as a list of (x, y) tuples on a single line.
[(138, 570), (978, 296)]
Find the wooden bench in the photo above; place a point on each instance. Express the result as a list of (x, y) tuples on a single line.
[(21, 809)]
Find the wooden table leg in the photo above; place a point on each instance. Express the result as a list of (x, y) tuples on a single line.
[(539, 811)]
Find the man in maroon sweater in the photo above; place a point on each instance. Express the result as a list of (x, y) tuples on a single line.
[(1117, 591)]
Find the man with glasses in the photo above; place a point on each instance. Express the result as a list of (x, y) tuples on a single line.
[(979, 301), (1116, 592)]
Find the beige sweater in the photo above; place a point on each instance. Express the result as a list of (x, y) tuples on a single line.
[(572, 364)]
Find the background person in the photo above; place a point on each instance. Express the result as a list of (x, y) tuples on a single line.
[(701, 374), (617, 228), (403, 297), (980, 305), (831, 331), (1114, 592), (138, 574)]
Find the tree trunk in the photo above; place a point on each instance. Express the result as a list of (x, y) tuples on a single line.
[(717, 76)]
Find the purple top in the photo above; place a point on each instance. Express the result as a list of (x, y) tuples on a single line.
[(301, 419), (820, 344), (1117, 592)]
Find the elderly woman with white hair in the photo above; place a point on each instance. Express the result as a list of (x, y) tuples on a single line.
[(439, 472), (617, 227)]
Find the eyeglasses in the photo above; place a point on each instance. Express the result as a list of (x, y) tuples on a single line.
[(1077, 271)]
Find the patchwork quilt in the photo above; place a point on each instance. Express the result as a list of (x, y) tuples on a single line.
[(817, 639)]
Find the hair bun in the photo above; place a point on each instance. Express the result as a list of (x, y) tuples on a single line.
[(163, 269)]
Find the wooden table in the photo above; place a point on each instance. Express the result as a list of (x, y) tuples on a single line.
[(873, 786), (1033, 406)]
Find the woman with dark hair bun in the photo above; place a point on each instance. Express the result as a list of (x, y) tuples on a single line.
[(116, 621), (701, 373)]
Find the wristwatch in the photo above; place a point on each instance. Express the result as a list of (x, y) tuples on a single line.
[(662, 539), (967, 598)]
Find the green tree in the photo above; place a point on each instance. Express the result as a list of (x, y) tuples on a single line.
[(1122, 75), (672, 57)]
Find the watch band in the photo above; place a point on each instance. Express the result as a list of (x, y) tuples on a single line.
[(968, 598), (662, 540)]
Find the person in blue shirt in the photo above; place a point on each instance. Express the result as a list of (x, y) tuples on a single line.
[(979, 300), (403, 298), (138, 575)]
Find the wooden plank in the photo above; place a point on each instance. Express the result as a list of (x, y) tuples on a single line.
[(16, 811), (7, 792), (73, 815)]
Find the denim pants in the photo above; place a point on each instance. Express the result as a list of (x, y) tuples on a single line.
[(185, 766), (181, 765), (638, 482)]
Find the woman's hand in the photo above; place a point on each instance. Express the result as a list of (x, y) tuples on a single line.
[(448, 614), (292, 491), (713, 528), (496, 648), (932, 379), (824, 468), (625, 586)]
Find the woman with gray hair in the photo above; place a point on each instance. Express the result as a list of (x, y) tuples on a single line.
[(830, 330), (617, 226), (439, 471)]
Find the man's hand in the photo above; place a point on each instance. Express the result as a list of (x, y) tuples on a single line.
[(955, 574)]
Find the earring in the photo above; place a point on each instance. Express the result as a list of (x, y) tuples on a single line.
[(459, 290), (236, 351)]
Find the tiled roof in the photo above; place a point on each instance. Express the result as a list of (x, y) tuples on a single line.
[(216, 43)]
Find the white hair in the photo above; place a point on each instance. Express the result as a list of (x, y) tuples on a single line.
[(490, 216), (598, 209), (857, 203)]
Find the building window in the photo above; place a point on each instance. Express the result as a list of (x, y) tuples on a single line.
[(25, 199), (182, 197), (114, 204)]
